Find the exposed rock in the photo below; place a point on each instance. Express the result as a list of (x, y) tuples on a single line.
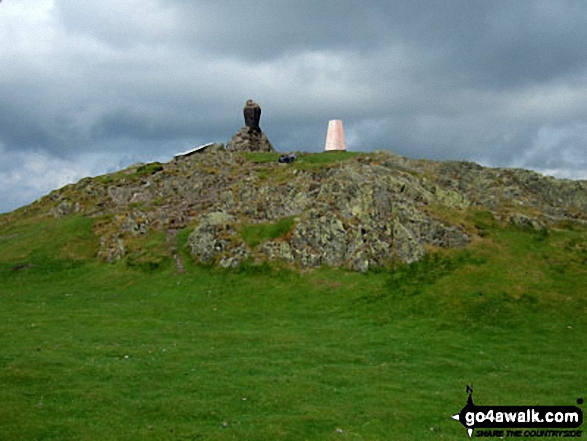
[(215, 147), (112, 248), (63, 209), (278, 250), (214, 240), (523, 221), (136, 223), (249, 140), (320, 239), (408, 246), (235, 256), (358, 213), (359, 262)]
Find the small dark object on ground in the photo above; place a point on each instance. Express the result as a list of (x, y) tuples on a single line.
[(22, 266), (287, 159)]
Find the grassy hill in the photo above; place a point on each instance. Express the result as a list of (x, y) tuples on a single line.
[(141, 349)]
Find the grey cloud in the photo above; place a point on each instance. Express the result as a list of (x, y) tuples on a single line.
[(490, 44)]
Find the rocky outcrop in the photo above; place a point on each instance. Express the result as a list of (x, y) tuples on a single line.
[(357, 213), (249, 140), (214, 240)]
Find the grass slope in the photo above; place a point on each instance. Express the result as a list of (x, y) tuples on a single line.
[(92, 351)]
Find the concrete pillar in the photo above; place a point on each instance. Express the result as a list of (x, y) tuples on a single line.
[(335, 136)]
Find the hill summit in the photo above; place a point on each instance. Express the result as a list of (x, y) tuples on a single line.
[(351, 210)]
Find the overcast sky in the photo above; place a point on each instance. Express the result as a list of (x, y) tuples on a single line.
[(90, 87)]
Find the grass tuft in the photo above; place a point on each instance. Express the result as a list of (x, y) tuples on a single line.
[(149, 169)]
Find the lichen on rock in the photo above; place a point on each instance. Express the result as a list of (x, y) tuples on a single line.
[(214, 241), (359, 212)]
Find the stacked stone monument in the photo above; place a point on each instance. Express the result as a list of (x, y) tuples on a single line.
[(250, 138)]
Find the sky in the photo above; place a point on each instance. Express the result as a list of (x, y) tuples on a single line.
[(88, 88)]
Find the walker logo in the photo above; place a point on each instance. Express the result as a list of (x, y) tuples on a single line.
[(484, 421)]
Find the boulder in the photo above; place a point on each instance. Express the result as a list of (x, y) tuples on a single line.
[(214, 240), (249, 140)]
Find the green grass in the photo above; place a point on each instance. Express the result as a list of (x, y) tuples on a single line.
[(328, 157), (48, 242), (262, 157), (149, 169), (304, 160), (93, 351), (316, 161), (148, 253), (254, 234)]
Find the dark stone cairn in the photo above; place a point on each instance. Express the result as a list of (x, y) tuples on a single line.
[(250, 138)]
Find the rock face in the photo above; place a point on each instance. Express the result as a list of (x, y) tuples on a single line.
[(358, 213), (214, 240)]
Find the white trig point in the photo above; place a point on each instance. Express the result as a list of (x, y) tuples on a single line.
[(335, 136)]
